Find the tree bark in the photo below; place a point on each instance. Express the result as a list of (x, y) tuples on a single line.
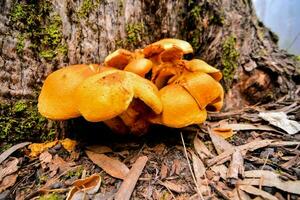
[(38, 37)]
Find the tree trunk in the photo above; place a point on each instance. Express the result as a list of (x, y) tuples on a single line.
[(38, 37)]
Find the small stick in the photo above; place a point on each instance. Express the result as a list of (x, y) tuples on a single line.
[(190, 167), (129, 182)]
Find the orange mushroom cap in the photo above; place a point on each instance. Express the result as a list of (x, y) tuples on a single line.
[(179, 108), (56, 100), (201, 86), (139, 66), (197, 65), (118, 59), (165, 44), (108, 94)]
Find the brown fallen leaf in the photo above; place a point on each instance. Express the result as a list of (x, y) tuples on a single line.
[(111, 166), (199, 168), (8, 167), (235, 168), (253, 190), (176, 167), (163, 171), (223, 132), (240, 195), (12, 149), (221, 170), (174, 186), (129, 182), (295, 160), (270, 179), (8, 181), (220, 143), (99, 149), (38, 148), (201, 149), (59, 163), (281, 120), (82, 188)]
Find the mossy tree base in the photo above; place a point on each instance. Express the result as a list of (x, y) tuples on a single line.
[(38, 37), (20, 121)]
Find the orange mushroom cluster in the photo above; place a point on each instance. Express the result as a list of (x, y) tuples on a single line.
[(132, 90)]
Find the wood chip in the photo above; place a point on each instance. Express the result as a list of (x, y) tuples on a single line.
[(235, 168), (284, 143), (11, 150), (253, 190), (251, 146), (111, 166), (201, 149), (127, 187), (295, 160)]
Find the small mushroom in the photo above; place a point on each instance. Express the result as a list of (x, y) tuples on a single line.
[(165, 44), (139, 66), (197, 65), (56, 100), (118, 59)]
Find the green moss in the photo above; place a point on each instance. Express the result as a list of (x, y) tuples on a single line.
[(20, 44), (21, 121), (195, 12), (77, 173), (133, 32), (121, 7), (229, 60), (51, 196), (87, 7), (200, 15), (19, 106), (38, 23)]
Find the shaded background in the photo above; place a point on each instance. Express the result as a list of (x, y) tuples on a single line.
[(283, 18)]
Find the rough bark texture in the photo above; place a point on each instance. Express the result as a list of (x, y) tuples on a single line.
[(38, 37)]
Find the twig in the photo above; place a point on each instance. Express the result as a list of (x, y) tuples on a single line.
[(190, 167), (12, 149), (129, 182)]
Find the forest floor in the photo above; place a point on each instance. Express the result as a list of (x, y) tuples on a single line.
[(233, 155)]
